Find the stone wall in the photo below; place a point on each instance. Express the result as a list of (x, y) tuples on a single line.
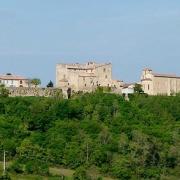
[(43, 92), (46, 92)]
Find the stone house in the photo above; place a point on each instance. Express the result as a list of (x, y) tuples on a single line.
[(10, 80)]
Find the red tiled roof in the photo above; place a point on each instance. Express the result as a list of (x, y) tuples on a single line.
[(12, 77), (165, 75), (127, 85), (147, 79)]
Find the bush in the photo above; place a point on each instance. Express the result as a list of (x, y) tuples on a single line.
[(5, 177), (37, 168), (81, 174), (16, 167)]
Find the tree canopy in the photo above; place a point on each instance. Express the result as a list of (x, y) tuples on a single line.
[(35, 82), (138, 88), (138, 139), (50, 84)]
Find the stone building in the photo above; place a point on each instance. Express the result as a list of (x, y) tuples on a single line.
[(10, 80), (85, 77), (159, 84)]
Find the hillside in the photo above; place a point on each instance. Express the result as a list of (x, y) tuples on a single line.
[(94, 134)]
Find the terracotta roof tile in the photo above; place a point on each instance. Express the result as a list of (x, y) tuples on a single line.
[(147, 79), (165, 75), (12, 77)]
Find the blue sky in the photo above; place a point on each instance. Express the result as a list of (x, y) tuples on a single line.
[(132, 34)]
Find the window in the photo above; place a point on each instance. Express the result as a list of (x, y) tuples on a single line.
[(106, 77), (64, 76), (85, 85), (84, 79), (104, 70), (148, 87), (21, 82)]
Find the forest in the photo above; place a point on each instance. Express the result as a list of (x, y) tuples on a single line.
[(92, 132)]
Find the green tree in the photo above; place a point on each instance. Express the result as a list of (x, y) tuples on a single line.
[(138, 88), (4, 92), (50, 84), (121, 167), (81, 174), (35, 82)]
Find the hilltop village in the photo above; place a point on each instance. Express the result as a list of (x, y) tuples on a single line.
[(88, 77)]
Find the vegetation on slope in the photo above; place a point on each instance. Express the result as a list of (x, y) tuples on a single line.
[(139, 139)]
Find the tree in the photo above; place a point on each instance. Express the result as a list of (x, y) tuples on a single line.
[(121, 167), (50, 84), (35, 82), (3, 91), (138, 88), (81, 174)]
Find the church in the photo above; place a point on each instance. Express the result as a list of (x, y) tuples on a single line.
[(159, 84)]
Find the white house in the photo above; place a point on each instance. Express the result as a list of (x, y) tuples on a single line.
[(128, 89), (10, 80)]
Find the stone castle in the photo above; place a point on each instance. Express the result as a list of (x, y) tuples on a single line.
[(86, 77)]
